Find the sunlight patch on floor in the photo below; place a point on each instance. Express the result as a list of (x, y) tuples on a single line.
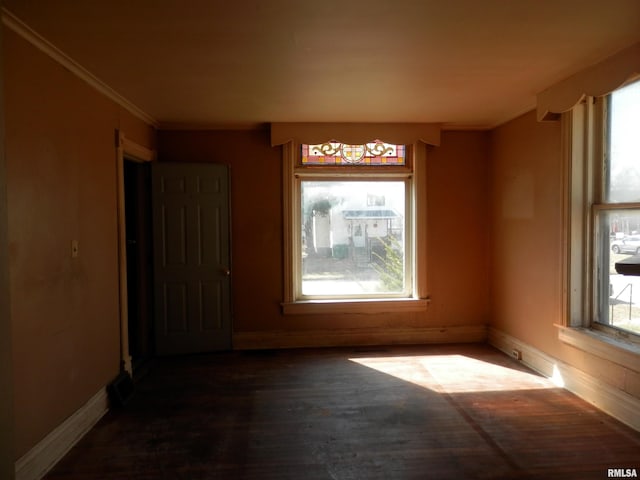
[(455, 373)]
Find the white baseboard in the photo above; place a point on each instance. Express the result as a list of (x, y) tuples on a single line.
[(45, 454), (607, 398), (347, 337)]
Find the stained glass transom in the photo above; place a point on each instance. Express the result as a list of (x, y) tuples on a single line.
[(335, 153)]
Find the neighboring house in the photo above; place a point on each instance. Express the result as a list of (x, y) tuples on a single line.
[(343, 228), (345, 219)]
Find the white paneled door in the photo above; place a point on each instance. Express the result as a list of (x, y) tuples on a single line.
[(191, 257)]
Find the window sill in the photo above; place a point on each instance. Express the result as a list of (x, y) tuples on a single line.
[(620, 351), (358, 306)]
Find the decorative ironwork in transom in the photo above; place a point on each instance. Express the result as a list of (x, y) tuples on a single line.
[(335, 153)]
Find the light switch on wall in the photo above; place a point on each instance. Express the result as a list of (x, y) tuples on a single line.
[(74, 248)]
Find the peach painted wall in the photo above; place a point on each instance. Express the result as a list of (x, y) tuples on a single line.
[(458, 228), (457, 241), (526, 246), (527, 226), (61, 182)]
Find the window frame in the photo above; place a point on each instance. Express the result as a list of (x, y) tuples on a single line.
[(415, 204), (584, 131), (302, 176), (601, 206)]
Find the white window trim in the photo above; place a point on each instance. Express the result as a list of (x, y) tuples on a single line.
[(582, 136), (417, 303), (578, 154)]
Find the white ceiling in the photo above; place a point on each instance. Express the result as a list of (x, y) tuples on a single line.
[(207, 63)]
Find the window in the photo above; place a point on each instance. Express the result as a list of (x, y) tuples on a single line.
[(599, 132), (355, 242), (616, 210), (603, 201), (350, 249), (351, 227)]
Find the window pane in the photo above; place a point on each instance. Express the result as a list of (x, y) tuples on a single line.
[(624, 145), (335, 153), (353, 238), (619, 295)]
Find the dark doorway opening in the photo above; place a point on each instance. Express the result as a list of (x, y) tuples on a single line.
[(137, 193)]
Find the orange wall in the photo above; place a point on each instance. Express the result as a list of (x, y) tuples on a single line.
[(457, 240), (458, 229), (526, 235), (61, 182)]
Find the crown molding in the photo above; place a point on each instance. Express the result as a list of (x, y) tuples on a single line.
[(19, 27)]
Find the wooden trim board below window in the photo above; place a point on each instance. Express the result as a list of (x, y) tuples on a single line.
[(347, 337)]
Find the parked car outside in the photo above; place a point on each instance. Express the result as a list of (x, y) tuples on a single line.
[(630, 244)]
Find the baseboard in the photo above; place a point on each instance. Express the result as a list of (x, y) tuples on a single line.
[(530, 356), (605, 397), (44, 455), (344, 337)]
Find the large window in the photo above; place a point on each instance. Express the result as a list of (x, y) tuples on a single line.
[(354, 238), (356, 224), (353, 232), (616, 209)]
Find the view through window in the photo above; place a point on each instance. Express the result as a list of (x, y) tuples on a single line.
[(353, 237), (618, 216), (354, 222)]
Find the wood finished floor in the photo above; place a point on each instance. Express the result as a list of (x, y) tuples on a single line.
[(433, 412)]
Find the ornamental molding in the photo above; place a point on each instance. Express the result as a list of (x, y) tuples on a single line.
[(595, 81)]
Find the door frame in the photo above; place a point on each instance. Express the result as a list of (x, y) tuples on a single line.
[(130, 150), (7, 438)]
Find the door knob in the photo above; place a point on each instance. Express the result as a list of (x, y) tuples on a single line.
[(225, 271)]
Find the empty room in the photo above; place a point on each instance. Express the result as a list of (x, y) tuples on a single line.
[(320, 240)]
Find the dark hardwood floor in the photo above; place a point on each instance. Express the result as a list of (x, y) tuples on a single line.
[(432, 412)]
